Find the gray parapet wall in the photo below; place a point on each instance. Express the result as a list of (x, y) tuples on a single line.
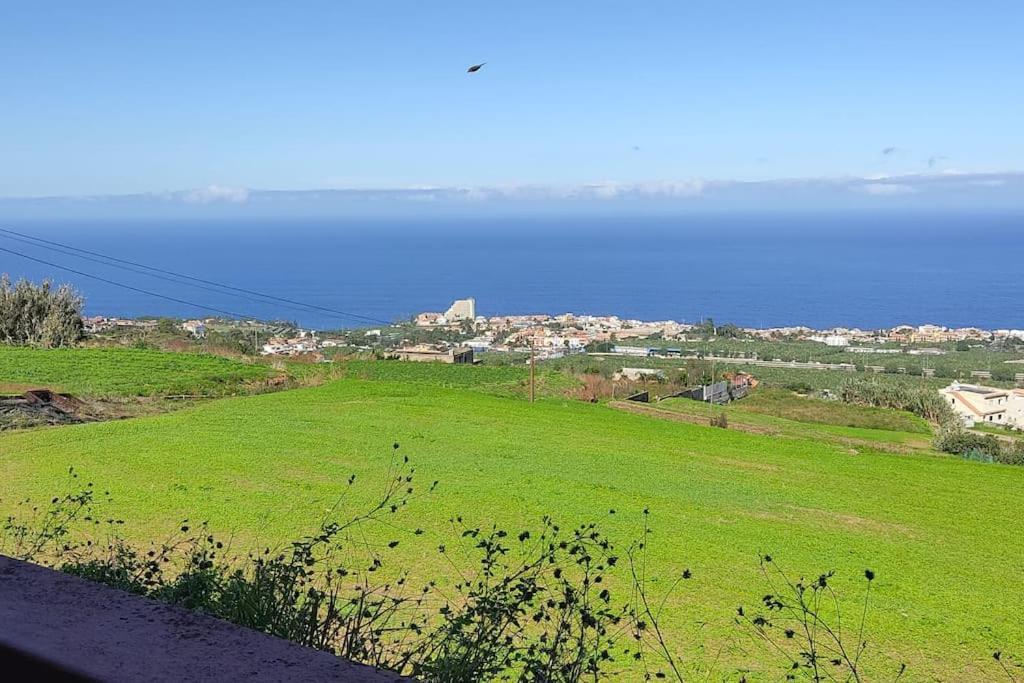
[(57, 625)]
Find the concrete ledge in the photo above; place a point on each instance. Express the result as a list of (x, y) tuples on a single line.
[(52, 623)]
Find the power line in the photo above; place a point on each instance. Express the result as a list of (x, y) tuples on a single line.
[(176, 280), (130, 287), (220, 285), (128, 268)]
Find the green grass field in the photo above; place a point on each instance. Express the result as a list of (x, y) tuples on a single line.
[(124, 372), (942, 534)]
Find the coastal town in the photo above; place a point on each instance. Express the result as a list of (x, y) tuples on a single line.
[(553, 336)]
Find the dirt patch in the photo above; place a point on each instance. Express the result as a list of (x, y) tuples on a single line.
[(45, 407), (38, 407)]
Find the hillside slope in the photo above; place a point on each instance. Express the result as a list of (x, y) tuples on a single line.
[(941, 534)]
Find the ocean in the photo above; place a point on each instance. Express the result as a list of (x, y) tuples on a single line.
[(863, 269)]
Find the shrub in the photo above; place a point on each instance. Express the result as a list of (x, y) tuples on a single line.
[(800, 621), (799, 387), (971, 446), (1012, 453), (921, 401), (39, 314)]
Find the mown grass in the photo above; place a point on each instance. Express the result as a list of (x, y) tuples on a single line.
[(109, 372), (941, 534)]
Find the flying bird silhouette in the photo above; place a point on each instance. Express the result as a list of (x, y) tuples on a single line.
[(476, 67)]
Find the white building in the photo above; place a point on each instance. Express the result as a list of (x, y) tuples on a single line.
[(631, 350), (975, 403), (637, 374), (1015, 409), (197, 328), (461, 309), (480, 344), (832, 339)]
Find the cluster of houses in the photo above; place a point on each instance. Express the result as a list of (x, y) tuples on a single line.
[(305, 342), (974, 403), (550, 336), (197, 328), (901, 334), (568, 332)]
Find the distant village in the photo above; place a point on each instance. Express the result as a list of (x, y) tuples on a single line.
[(568, 333), (552, 336)]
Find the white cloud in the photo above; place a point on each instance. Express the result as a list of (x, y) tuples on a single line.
[(607, 189), (886, 189), (946, 186), (216, 193)]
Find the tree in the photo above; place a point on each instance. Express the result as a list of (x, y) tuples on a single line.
[(167, 326), (728, 331), (40, 315)]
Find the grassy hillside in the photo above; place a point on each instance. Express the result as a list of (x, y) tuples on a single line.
[(941, 534), (123, 372)]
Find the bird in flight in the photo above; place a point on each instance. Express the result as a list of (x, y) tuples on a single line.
[(476, 67)]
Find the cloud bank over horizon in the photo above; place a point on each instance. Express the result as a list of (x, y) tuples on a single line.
[(945, 190)]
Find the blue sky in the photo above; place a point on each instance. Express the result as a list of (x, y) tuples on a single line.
[(123, 98)]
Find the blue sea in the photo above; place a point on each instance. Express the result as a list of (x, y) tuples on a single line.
[(855, 269)]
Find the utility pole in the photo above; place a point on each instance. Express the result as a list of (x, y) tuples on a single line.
[(533, 363)]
